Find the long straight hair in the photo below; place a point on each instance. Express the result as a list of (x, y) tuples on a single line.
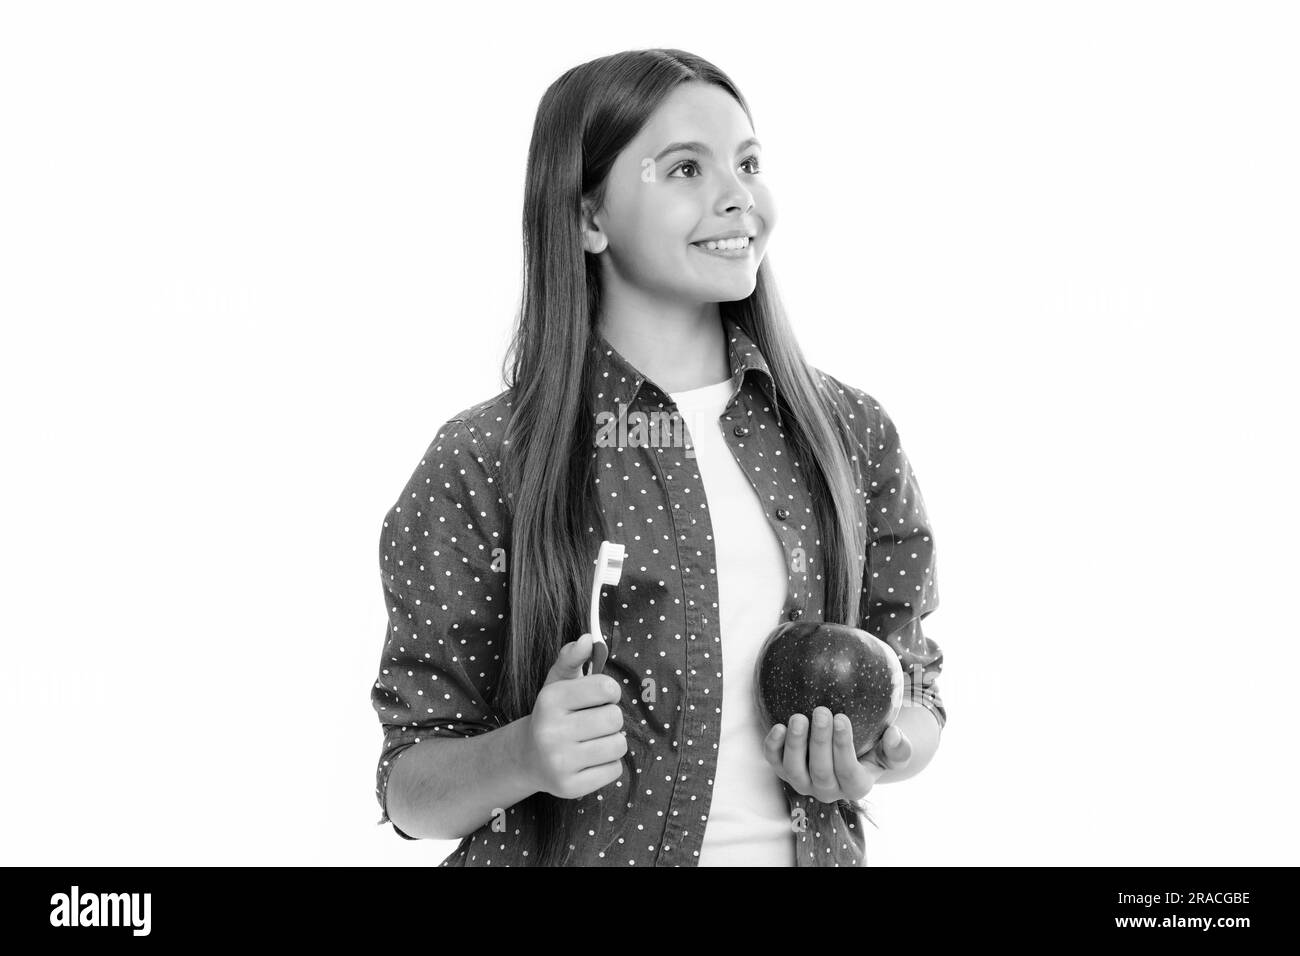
[(584, 120)]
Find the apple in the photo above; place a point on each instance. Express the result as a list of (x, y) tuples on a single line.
[(807, 664)]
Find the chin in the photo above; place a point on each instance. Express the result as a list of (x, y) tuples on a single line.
[(735, 291)]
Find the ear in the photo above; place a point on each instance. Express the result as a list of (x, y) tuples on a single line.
[(594, 239)]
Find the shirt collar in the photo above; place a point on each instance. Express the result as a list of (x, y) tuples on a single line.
[(616, 381)]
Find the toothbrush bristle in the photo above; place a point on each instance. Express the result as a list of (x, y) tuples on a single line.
[(614, 564)]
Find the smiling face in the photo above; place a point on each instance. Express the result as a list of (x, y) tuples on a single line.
[(691, 174)]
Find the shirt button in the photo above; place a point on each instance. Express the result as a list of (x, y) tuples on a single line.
[(740, 431), (782, 513), (795, 613)]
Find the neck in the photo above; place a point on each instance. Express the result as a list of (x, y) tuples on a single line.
[(675, 347)]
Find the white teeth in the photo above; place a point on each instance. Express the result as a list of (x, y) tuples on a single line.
[(740, 242)]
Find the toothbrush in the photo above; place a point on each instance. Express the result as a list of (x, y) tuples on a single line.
[(609, 569)]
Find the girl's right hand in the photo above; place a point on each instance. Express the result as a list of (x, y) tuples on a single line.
[(575, 741)]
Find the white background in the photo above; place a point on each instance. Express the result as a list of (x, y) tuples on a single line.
[(254, 254)]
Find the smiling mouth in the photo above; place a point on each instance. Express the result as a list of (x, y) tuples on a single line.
[(738, 244)]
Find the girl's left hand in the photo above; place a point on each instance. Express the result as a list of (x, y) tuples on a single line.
[(827, 766)]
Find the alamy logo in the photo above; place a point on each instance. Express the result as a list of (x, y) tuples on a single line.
[(638, 429), (101, 909)]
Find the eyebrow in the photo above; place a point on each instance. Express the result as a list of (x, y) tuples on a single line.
[(694, 147)]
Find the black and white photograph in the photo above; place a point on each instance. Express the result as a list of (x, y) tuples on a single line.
[(581, 435)]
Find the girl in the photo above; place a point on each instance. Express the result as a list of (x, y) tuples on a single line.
[(646, 301)]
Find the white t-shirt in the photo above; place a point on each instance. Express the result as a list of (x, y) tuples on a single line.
[(749, 820)]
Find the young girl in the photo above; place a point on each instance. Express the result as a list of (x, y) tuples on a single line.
[(786, 496)]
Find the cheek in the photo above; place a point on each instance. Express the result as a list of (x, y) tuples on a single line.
[(676, 221), (764, 206), (644, 224), (655, 255), (664, 234)]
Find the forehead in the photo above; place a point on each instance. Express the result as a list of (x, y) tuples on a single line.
[(695, 111)]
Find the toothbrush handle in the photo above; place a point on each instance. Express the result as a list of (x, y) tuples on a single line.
[(599, 652)]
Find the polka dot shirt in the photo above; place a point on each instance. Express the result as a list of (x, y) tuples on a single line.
[(443, 560)]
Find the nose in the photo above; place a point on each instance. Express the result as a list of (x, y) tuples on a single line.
[(735, 197), (739, 205)]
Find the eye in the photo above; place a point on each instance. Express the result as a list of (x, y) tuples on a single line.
[(752, 160), (683, 164)]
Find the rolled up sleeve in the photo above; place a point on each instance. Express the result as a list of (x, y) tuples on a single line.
[(900, 586), (442, 557)]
